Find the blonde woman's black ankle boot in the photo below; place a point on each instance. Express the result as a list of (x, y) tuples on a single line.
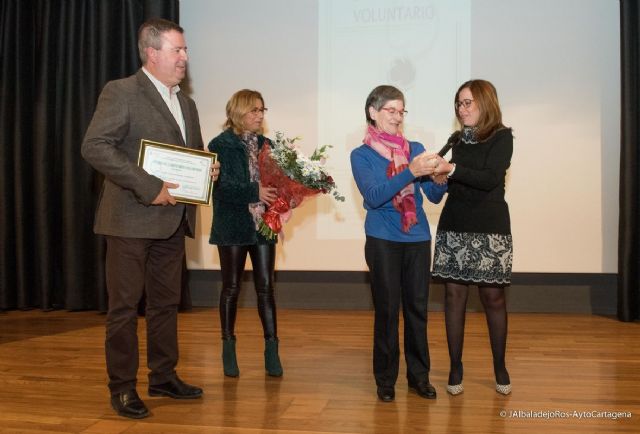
[(229, 360), (271, 358)]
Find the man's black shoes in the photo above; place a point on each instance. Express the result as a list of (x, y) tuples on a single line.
[(176, 388), (129, 404), (386, 393)]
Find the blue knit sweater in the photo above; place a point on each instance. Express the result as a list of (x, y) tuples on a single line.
[(383, 220)]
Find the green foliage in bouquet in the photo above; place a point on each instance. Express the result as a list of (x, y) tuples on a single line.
[(308, 171)]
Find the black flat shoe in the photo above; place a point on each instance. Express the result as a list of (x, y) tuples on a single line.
[(129, 404), (424, 389), (386, 394), (176, 389)]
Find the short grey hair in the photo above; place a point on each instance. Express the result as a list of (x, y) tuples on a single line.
[(379, 97), (150, 35)]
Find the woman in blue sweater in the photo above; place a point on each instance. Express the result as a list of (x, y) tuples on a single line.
[(390, 172)]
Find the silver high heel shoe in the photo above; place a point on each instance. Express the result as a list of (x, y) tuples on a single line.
[(455, 389), (504, 389)]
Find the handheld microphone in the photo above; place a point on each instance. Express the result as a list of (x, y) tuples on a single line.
[(453, 140)]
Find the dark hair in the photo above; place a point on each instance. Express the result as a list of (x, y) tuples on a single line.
[(241, 103), (379, 97), (150, 35), (486, 98)]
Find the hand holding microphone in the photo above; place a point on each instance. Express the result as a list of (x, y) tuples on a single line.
[(435, 165)]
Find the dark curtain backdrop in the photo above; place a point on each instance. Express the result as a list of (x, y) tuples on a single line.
[(629, 236), (55, 57)]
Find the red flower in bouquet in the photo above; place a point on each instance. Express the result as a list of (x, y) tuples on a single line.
[(295, 176)]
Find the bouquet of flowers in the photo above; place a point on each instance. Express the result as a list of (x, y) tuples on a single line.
[(296, 176)]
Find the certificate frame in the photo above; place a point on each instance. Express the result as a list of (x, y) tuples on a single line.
[(190, 168)]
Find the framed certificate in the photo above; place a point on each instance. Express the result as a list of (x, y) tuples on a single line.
[(189, 168)]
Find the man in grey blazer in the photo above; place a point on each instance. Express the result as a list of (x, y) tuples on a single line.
[(143, 225)]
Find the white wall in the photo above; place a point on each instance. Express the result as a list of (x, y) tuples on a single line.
[(555, 64)]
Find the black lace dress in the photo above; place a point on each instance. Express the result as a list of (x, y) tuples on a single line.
[(473, 242)]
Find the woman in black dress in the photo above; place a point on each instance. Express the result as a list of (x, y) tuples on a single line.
[(473, 242)]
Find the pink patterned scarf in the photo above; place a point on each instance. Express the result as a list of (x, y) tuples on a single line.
[(396, 150)]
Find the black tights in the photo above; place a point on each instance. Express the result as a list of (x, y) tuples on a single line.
[(493, 300), (232, 260)]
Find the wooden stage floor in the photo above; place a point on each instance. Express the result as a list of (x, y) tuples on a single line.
[(570, 374)]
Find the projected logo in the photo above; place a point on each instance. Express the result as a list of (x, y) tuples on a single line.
[(402, 73)]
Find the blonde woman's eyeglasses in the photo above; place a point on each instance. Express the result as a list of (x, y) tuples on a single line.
[(256, 110)]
